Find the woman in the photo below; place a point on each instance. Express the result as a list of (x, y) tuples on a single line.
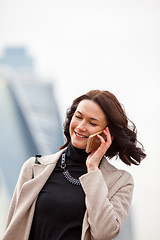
[(73, 194)]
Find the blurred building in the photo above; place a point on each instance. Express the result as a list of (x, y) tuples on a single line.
[(30, 124), (18, 59), (29, 121)]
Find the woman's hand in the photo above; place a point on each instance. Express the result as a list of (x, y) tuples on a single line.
[(95, 157)]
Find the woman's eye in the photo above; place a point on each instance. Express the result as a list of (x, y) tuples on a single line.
[(77, 116), (93, 124)]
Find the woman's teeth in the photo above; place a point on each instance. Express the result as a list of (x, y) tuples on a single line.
[(81, 136)]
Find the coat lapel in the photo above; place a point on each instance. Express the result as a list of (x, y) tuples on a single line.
[(31, 188), (45, 163), (111, 175)]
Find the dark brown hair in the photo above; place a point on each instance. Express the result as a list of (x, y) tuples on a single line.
[(124, 144)]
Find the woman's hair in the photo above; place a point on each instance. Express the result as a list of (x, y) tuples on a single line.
[(124, 144)]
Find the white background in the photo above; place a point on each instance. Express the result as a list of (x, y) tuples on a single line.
[(110, 45)]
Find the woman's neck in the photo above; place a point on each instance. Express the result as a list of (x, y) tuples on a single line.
[(76, 154)]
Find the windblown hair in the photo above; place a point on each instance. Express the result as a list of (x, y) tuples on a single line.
[(125, 143)]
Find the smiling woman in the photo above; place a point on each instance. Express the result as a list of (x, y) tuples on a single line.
[(125, 144), (87, 120), (74, 194)]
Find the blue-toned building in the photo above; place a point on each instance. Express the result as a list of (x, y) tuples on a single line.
[(30, 122), (18, 59)]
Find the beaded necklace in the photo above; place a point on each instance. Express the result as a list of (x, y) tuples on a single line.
[(66, 172)]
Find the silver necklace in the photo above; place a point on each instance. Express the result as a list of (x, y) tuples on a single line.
[(66, 173)]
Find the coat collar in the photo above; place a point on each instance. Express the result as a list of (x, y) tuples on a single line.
[(46, 162), (109, 167), (110, 173), (51, 159)]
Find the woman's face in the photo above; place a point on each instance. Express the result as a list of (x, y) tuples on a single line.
[(88, 119)]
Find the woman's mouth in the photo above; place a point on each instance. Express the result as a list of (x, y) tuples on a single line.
[(80, 135)]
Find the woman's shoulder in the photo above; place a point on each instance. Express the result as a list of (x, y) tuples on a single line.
[(115, 171), (29, 162), (49, 159), (26, 169), (44, 160)]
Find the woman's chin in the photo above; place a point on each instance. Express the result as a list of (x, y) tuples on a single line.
[(78, 145)]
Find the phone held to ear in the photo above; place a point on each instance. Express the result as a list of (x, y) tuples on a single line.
[(94, 142)]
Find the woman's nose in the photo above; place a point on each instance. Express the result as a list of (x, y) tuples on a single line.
[(82, 126)]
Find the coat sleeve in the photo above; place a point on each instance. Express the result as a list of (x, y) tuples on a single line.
[(25, 175), (106, 216)]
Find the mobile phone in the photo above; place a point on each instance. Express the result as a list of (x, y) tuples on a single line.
[(94, 142)]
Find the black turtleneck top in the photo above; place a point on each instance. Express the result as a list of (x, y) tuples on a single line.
[(60, 206)]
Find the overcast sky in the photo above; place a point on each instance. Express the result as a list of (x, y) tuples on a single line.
[(111, 45)]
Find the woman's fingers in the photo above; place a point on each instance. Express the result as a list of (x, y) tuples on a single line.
[(95, 157), (108, 141)]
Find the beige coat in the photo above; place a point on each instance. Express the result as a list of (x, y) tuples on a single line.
[(108, 197)]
